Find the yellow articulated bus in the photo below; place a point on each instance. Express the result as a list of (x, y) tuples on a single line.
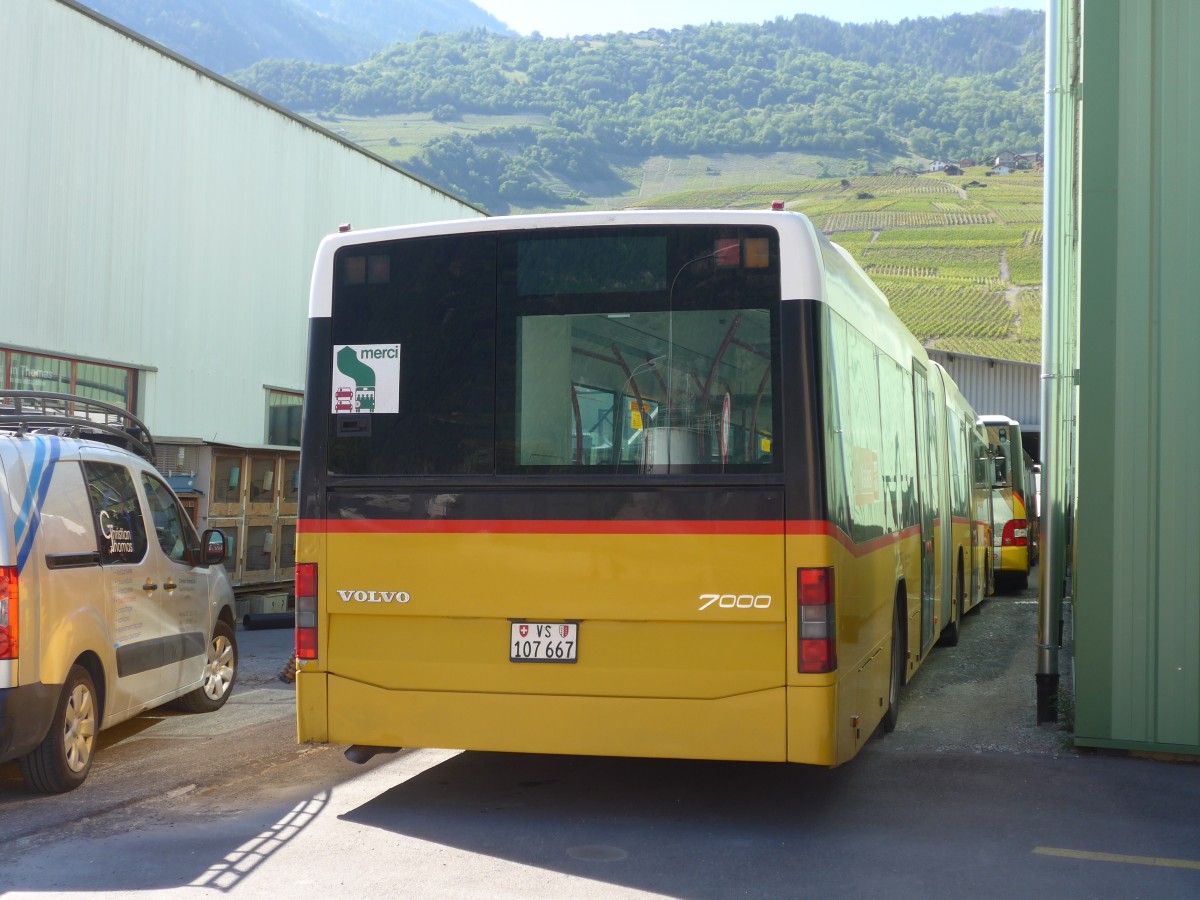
[(652, 483), (967, 503), (1014, 516)]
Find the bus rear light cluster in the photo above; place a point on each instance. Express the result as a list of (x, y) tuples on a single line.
[(1016, 533), (818, 641), (306, 610), (10, 614)]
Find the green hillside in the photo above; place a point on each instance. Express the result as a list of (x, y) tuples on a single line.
[(736, 116), (959, 257), (520, 123)]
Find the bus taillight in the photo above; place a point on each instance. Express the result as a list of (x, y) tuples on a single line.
[(10, 614), (306, 610), (1016, 533), (818, 644)]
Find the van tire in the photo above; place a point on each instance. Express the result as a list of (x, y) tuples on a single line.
[(220, 672), (61, 762)]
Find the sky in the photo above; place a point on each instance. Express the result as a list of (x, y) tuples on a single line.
[(560, 18)]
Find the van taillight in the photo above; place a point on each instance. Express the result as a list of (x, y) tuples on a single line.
[(818, 643), (306, 610), (1016, 533), (10, 613)]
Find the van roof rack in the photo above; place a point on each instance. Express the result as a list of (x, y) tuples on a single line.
[(69, 415)]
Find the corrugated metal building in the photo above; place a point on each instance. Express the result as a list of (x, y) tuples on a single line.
[(1136, 596), (999, 387), (158, 224), (158, 227)]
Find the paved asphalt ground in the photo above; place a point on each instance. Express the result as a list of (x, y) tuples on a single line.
[(968, 798)]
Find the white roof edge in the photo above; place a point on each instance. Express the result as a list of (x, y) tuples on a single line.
[(792, 226)]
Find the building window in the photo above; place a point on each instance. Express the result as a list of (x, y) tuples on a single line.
[(283, 418), (96, 381)]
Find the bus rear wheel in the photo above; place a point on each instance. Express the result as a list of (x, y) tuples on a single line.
[(950, 632), (896, 679)]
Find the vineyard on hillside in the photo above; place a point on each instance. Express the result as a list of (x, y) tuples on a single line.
[(959, 257)]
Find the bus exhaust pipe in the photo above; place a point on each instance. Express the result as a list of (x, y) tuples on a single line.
[(361, 753)]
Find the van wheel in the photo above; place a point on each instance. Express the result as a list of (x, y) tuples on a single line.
[(61, 762), (220, 671), (896, 679)]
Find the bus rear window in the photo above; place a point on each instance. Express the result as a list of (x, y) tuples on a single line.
[(635, 349), (650, 350), (592, 264), (658, 392)]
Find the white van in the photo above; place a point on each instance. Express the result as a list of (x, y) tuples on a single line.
[(110, 603)]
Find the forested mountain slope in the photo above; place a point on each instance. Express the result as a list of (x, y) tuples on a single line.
[(879, 93)]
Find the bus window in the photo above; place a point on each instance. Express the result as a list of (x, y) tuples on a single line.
[(653, 390), (415, 345)]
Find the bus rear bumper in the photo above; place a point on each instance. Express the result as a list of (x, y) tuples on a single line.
[(1013, 559), (745, 727)]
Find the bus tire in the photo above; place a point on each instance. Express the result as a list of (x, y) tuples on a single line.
[(896, 678), (950, 632)]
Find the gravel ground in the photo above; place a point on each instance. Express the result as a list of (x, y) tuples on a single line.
[(981, 696)]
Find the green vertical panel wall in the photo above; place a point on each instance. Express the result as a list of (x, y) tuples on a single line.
[(1137, 578)]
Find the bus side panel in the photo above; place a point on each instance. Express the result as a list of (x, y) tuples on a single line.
[(831, 716), (312, 707)]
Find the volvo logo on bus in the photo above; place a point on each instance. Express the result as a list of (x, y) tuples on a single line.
[(735, 601), (374, 596)]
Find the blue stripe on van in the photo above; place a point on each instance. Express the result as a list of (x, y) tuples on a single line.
[(45, 455)]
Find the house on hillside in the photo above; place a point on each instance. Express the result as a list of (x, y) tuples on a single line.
[(1006, 158), (903, 170), (952, 169), (966, 162), (1030, 161), (937, 166)]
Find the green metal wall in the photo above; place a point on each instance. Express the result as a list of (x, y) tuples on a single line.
[(1137, 564)]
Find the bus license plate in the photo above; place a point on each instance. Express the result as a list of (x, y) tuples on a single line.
[(552, 642)]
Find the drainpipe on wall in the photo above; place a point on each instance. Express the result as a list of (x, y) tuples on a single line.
[(1058, 370)]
